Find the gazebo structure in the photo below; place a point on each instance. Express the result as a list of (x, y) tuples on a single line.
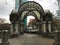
[(43, 19)]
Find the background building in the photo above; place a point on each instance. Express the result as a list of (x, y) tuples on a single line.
[(58, 11), (18, 2)]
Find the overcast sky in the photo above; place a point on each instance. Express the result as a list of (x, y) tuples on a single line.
[(6, 6), (51, 5)]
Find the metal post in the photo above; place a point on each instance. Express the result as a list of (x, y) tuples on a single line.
[(57, 37), (5, 38)]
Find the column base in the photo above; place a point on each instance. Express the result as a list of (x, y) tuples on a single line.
[(21, 33), (14, 35), (39, 32), (4, 43), (44, 34), (56, 43)]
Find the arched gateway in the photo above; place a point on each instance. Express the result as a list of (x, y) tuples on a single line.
[(34, 9)]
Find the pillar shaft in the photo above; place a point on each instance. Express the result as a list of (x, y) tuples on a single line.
[(16, 27), (49, 26), (21, 27), (12, 28), (44, 26)]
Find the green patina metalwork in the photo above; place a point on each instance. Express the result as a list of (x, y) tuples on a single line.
[(31, 6), (25, 22), (26, 9), (18, 2)]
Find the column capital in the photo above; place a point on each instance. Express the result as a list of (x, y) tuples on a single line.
[(49, 21), (44, 21), (17, 21), (11, 21)]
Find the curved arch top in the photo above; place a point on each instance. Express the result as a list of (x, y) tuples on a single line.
[(43, 19), (29, 14), (31, 6)]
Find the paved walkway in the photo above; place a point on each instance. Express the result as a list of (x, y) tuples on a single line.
[(31, 39)]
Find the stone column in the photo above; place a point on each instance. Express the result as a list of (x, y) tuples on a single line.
[(49, 26), (44, 26), (39, 27), (12, 28), (16, 27), (21, 27)]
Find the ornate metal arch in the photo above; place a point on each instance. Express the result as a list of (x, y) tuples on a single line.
[(33, 13), (30, 13), (30, 6), (47, 16)]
